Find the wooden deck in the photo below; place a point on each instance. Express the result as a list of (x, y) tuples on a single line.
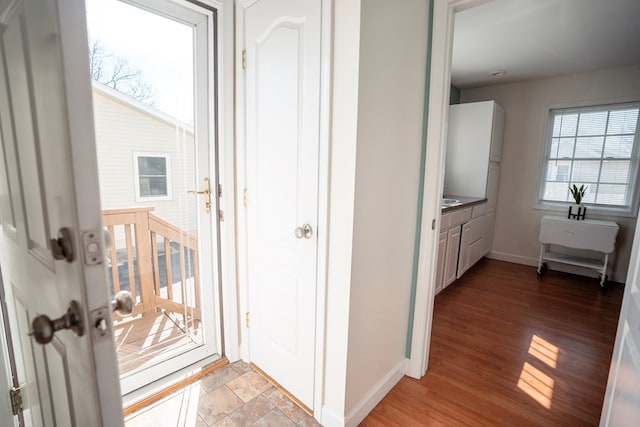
[(143, 341), (157, 262), (511, 349)]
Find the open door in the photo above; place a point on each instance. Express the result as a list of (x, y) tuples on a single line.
[(621, 401), (51, 243)]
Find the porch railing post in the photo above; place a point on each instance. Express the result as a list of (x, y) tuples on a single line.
[(145, 267)]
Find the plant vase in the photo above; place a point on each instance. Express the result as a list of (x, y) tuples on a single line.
[(577, 212)]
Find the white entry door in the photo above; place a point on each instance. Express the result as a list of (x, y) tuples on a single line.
[(48, 182), (282, 43), (622, 399)]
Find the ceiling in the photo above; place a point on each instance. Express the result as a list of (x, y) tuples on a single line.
[(532, 39)]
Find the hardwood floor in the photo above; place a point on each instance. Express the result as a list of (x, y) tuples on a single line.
[(511, 349)]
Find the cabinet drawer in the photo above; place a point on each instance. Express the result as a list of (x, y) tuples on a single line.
[(445, 221), (478, 210), (460, 216)]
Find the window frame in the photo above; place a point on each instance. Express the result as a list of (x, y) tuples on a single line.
[(630, 210), (136, 175)]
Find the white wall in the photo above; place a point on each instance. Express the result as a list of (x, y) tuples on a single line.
[(393, 50), (526, 105), (377, 108)]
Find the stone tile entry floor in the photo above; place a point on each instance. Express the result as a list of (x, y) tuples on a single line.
[(235, 395)]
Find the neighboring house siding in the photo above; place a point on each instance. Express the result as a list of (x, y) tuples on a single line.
[(124, 128)]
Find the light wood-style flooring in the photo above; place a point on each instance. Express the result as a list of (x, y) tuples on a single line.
[(511, 349)]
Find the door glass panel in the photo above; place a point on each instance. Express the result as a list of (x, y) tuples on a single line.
[(142, 64)]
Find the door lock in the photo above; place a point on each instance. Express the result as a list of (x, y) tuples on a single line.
[(61, 247), (207, 195)]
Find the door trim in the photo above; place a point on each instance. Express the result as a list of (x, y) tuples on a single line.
[(323, 195), (438, 107)]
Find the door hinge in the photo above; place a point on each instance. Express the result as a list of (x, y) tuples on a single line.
[(221, 215), (16, 400), (245, 197), (247, 319), (433, 224), (244, 59), (219, 190)]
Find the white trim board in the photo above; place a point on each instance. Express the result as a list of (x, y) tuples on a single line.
[(516, 259), (571, 269), (369, 401)]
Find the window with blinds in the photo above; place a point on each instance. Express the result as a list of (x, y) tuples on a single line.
[(594, 146)]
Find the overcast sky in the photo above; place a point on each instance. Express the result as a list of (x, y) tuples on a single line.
[(159, 47)]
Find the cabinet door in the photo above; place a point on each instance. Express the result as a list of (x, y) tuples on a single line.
[(442, 253), (465, 241), (451, 259), (472, 244)]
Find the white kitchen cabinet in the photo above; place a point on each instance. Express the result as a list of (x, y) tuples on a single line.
[(474, 150), (442, 248), (471, 244), (451, 257)]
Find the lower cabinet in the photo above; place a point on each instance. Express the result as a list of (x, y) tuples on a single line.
[(451, 257), (465, 237), (472, 245)]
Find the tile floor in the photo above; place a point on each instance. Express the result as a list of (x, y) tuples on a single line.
[(235, 395)]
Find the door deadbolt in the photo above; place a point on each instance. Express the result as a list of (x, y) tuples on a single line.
[(43, 328), (62, 247), (305, 231)]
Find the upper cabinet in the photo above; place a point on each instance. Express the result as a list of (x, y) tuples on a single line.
[(474, 142)]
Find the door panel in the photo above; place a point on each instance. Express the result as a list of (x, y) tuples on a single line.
[(282, 41), (42, 116), (28, 148)]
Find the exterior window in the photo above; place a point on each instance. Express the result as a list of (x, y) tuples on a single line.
[(153, 179), (597, 147)]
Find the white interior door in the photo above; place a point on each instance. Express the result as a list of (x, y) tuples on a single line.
[(47, 182), (282, 42), (622, 399)]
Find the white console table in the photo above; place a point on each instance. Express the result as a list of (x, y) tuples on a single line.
[(593, 235)]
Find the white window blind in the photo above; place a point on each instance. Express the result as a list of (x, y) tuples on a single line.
[(594, 146)]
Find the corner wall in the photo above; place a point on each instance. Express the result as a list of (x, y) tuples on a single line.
[(393, 47), (526, 105)]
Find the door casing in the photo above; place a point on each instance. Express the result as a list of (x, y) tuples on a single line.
[(323, 195)]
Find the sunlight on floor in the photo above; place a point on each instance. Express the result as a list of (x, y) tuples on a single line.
[(533, 381), (544, 351), (536, 384)]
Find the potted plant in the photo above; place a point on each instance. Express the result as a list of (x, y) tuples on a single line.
[(578, 195)]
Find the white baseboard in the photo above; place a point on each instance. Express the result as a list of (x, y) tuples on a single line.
[(330, 419), (533, 262), (369, 401), (376, 393), (516, 259)]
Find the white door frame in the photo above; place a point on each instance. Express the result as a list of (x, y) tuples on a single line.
[(323, 194), (438, 104), (230, 316)]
